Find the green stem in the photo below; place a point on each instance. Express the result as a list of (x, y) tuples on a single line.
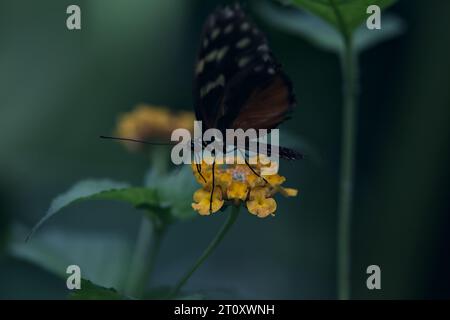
[(143, 261), (350, 74), (212, 245), (349, 66)]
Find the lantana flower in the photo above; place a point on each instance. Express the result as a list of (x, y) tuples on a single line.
[(238, 184), (148, 122)]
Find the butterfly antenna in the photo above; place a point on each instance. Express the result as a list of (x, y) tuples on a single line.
[(138, 141)]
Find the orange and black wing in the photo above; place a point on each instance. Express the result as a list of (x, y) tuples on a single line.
[(238, 82)]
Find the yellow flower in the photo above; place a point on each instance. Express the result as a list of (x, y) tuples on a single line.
[(204, 177), (237, 184), (237, 190), (185, 120), (259, 204), (202, 202), (275, 179), (147, 122), (225, 179)]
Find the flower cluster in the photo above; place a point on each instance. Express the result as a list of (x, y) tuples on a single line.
[(236, 184), (151, 122)]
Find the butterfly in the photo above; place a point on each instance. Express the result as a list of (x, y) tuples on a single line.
[(238, 83)]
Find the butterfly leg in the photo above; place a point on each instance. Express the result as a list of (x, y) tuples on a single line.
[(212, 187), (251, 168), (199, 169)]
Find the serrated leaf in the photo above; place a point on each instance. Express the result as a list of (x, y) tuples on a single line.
[(353, 12), (100, 190), (91, 291)]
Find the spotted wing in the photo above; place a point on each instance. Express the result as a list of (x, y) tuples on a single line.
[(238, 83)]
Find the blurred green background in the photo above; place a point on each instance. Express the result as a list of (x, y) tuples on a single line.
[(60, 89)]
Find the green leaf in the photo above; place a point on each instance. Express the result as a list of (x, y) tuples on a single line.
[(103, 258), (91, 291), (301, 24), (100, 190), (174, 190), (353, 12), (322, 34)]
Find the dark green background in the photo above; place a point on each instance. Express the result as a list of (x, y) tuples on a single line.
[(60, 89)]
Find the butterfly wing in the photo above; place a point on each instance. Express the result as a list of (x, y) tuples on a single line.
[(238, 82), (215, 64)]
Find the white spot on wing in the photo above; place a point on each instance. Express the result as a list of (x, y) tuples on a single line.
[(200, 66), (245, 26), (266, 57), (214, 55), (221, 53), (215, 33), (228, 29), (220, 81), (211, 56), (243, 43), (228, 13), (263, 47), (244, 61)]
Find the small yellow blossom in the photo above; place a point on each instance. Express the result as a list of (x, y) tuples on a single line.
[(204, 176), (202, 201), (275, 180), (148, 122), (254, 181), (259, 204), (236, 184)]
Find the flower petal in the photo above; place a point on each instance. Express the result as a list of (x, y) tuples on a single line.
[(237, 190), (289, 192), (275, 179), (203, 204), (262, 208)]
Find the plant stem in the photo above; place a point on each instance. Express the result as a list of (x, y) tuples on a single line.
[(212, 245), (142, 263), (349, 65)]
